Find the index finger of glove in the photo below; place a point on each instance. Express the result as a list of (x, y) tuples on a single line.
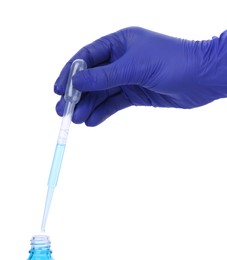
[(94, 54)]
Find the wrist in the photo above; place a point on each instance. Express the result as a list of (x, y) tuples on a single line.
[(214, 63)]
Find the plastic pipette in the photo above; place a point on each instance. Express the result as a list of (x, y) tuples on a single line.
[(72, 97)]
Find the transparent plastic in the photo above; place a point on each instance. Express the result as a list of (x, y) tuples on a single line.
[(72, 97), (40, 248)]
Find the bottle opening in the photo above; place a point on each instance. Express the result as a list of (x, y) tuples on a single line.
[(40, 241)]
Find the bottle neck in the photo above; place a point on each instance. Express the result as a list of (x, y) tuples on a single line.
[(40, 244)]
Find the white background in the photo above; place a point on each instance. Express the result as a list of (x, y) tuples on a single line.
[(148, 183)]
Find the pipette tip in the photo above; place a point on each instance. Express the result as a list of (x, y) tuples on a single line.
[(42, 229), (49, 196)]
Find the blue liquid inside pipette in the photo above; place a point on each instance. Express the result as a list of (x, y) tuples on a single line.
[(56, 165), (53, 178)]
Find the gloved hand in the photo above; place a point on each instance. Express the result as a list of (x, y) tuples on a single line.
[(135, 66)]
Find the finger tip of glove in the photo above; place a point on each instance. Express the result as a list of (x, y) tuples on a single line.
[(60, 107), (79, 117), (92, 121), (90, 124), (76, 120), (58, 89), (95, 120)]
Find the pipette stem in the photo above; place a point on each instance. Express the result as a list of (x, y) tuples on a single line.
[(57, 160), (72, 97)]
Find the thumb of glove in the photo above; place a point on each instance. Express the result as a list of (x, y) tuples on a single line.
[(103, 77)]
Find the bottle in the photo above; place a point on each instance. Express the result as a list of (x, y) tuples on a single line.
[(40, 248)]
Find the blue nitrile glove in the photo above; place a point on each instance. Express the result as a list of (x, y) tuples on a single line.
[(135, 66)]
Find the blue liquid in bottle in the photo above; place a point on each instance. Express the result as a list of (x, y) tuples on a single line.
[(40, 248)]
